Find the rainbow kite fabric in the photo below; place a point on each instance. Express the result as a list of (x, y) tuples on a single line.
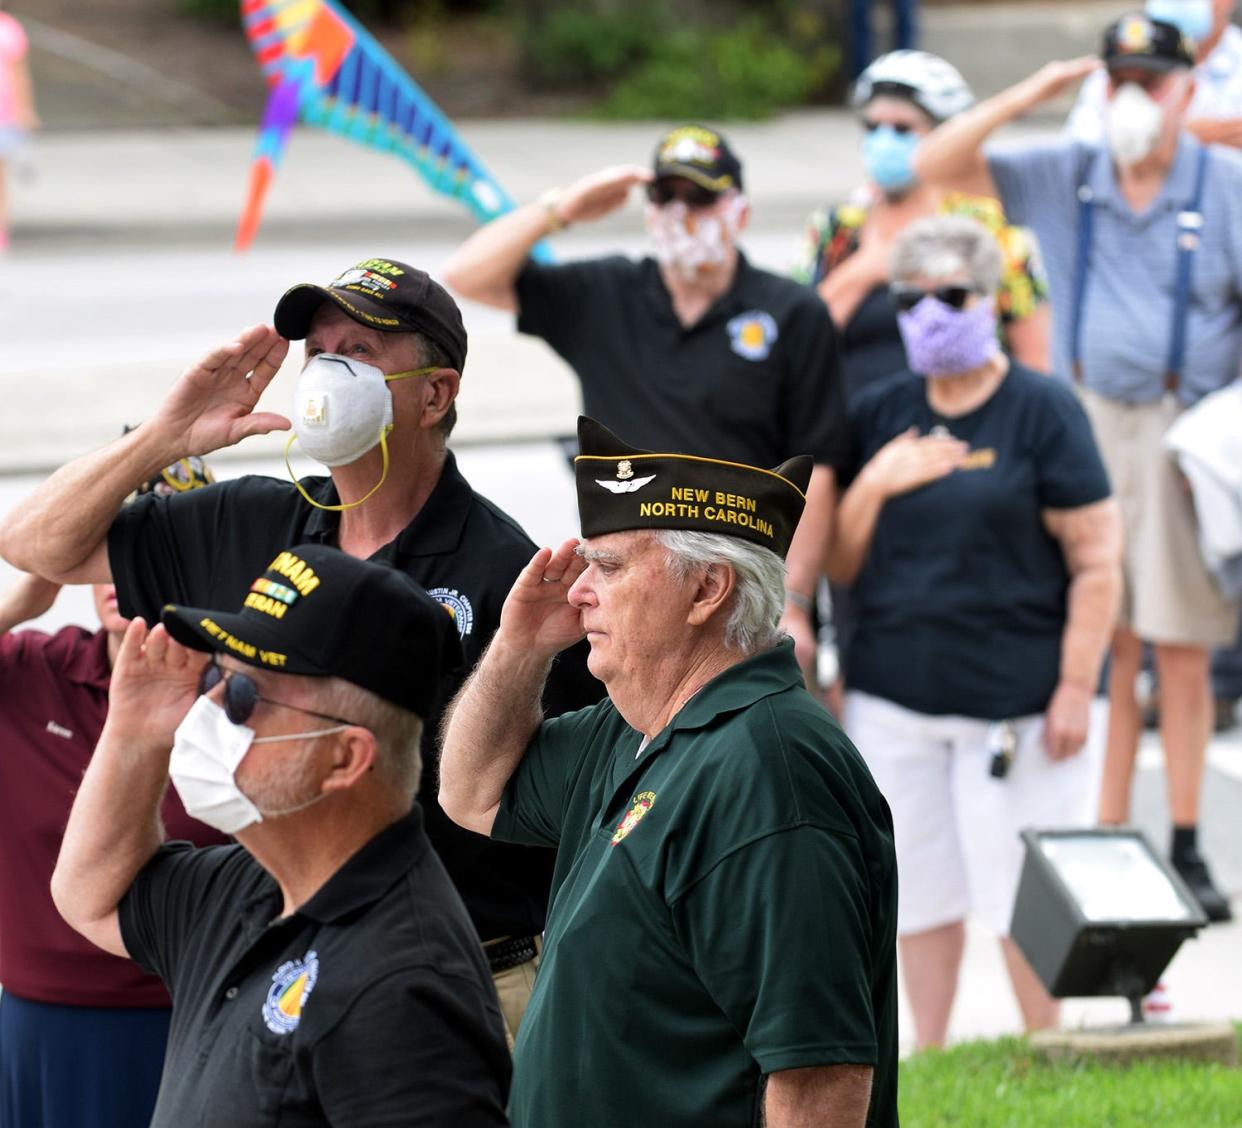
[(324, 69)]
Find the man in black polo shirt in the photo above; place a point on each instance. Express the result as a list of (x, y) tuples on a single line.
[(385, 345), (323, 971), (694, 350)]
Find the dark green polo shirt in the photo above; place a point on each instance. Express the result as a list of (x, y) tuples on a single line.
[(756, 379), (723, 907)]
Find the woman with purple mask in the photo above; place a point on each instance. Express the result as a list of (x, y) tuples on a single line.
[(983, 547)]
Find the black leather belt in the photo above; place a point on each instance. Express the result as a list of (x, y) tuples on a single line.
[(511, 951)]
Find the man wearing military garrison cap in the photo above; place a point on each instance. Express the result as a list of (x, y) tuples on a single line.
[(720, 944)]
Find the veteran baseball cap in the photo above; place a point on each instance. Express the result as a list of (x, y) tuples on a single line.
[(621, 487), (699, 154), (319, 612), (1136, 40), (381, 294)]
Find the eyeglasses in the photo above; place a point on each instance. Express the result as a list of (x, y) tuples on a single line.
[(896, 126), (905, 298), (661, 192), (241, 695)]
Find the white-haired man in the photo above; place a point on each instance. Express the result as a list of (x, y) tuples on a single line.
[(720, 945)]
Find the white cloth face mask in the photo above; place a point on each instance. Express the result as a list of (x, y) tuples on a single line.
[(689, 251), (1132, 122), (207, 748)]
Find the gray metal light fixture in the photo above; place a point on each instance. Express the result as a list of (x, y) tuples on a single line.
[(1099, 912)]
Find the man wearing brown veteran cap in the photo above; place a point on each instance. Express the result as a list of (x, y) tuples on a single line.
[(323, 970), (375, 403), (721, 943), (692, 348)]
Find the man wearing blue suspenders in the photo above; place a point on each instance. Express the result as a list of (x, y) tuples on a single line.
[(1143, 241)]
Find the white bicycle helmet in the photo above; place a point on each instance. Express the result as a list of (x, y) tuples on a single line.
[(930, 82)]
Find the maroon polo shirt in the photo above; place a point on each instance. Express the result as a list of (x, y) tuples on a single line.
[(53, 698)]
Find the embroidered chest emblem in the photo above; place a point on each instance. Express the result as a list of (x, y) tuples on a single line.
[(458, 605), (643, 803), (752, 334), (291, 986)]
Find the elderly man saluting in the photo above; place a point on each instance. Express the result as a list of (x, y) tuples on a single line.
[(324, 970), (721, 939)]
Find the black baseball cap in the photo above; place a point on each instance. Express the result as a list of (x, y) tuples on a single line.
[(1136, 40), (319, 612), (699, 154), (622, 487), (381, 294)]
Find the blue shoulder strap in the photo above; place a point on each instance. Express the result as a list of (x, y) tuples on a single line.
[(1086, 216), (1189, 224)]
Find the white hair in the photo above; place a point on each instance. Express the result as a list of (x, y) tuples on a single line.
[(944, 246), (759, 582)]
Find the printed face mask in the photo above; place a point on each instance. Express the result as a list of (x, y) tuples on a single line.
[(943, 341), (1132, 122), (689, 251), (889, 158), (207, 747), (1193, 18), (342, 408)]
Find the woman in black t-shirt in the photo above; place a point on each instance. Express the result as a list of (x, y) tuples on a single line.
[(984, 552)]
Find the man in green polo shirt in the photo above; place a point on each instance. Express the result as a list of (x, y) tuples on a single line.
[(720, 941)]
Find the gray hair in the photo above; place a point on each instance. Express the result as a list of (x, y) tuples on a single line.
[(759, 582), (397, 731), (945, 246)]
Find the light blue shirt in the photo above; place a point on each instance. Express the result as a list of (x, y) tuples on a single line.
[(1128, 308)]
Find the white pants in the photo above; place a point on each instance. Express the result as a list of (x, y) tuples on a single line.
[(956, 827)]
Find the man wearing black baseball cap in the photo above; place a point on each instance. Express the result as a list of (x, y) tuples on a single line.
[(693, 349), (1143, 239), (323, 969), (374, 402), (721, 947)]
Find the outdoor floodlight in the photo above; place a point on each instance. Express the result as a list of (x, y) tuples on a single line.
[(1099, 912)]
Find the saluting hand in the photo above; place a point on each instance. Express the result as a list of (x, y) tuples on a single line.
[(154, 683), (595, 196), (1054, 78), (212, 405), (537, 615), (911, 460)]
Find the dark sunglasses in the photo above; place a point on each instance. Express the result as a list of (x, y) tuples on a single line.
[(692, 195), (896, 126), (241, 695), (905, 298)]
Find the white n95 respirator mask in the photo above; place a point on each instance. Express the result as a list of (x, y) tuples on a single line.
[(342, 408), (1132, 123)]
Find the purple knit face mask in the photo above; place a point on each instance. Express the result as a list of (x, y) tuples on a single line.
[(943, 341)]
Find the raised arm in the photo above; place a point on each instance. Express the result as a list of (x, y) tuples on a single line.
[(114, 827), (903, 464), (485, 267), (26, 599), (1090, 540), (952, 156), (60, 531), (496, 713)]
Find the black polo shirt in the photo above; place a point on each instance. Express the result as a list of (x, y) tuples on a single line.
[(370, 1005), (756, 379), (205, 547)]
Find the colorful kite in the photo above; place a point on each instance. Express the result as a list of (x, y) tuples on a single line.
[(324, 69)]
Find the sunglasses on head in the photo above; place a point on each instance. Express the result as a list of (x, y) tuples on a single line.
[(660, 192), (905, 298), (241, 695), (896, 126)]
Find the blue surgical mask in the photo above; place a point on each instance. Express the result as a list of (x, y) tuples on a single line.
[(1193, 18), (889, 158)]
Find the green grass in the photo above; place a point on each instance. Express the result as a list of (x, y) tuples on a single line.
[(1003, 1085)]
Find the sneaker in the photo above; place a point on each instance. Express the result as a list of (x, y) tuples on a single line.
[(1193, 870)]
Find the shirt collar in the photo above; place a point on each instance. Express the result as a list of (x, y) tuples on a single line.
[(435, 530), (1176, 192), (731, 301), (90, 665), (371, 872), (739, 687)]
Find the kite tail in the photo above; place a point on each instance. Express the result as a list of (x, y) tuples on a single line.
[(278, 120)]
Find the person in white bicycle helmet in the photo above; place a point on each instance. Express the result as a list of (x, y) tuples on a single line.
[(900, 98)]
